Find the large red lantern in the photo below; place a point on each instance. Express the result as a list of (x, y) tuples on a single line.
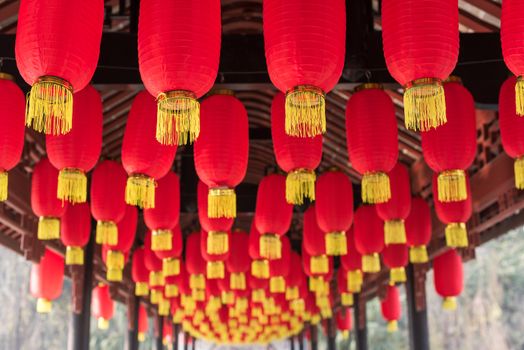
[(221, 151), (418, 230), (372, 140), (239, 262), (305, 45), (273, 215), (334, 209), (57, 48), (47, 278), (144, 159), (460, 133), (44, 203), (102, 306), (75, 232), (390, 308), (395, 257), (215, 268), (297, 156), (352, 263), (77, 152), (259, 265), (142, 323), (421, 47), (314, 241), (369, 237), (115, 260), (279, 268), (12, 134), (170, 257), (448, 277), (139, 272), (178, 55), (195, 263)]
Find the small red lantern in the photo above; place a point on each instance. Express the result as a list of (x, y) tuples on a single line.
[(144, 159), (259, 265), (448, 277), (369, 237), (295, 278), (44, 203), (314, 242), (312, 65), (170, 257), (344, 322), (221, 151), (418, 230), (372, 150), (279, 268), (346, 297), (195, 263), (215, 268), (139, 272), (47, 278), (126, 236), (390, 308), (155, 267), (76, 229), (142, 323), (352, 263), (239, 261), (12, 134), (318, 282), (102, 306), (395, 257), (421, 47)]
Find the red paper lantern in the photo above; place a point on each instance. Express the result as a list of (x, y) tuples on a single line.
[(272, 215), (144, 159), (344, 321), (47, 278), (221, 151), (279, 268), (102, 306), (259, 265), (334, 209), (195, 263), (372, 150), (418, 230), (57, 48), (390, 308), (369, 237), (295, 277), (448, 277), (352, 263), (215, 268), (396, 258), (239, 262), (177, 284), (397, 209), (421, 47), (178, 55), (142, 323), (139, 272), (126, 237), (76, 229), (454, 215), (12, 134), (167, 332), (346, 297), (318, 282), (314, 241), (297, 156), (305, 51), (44, 203), (77, 152), (154, 265), (170, 257), (511, 128)]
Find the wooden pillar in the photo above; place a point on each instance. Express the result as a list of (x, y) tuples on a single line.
[(176, 330), (292, 343), (360, 320), (313, 332), (331, 334), (301, 340), (193, 343), (417, 312), (132, 332), (159, 328), (186, 341)]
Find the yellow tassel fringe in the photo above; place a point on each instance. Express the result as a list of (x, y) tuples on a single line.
[(178, 118), (300, 184), (115, 265), (198, 294), (163, 307), (292, 293), (43, 306), (277, 284), (270, 247), (114, 275), (156, 296), (355, 280), (141, 337), (197, 281), (156, 279), (222, 203), (336, 243), (161, 240), (371, 263), (394, 232), (305, 111), (170, 267), (456, 235), (3, 185), (140, 191), (519, 96), (375, 188), (171, 290), (345, 335), (392, 326), (519, 173), (258, 295), (48, 228), (424, 104), (260, 268), (72, 186), (451, 186), (418, 255), (74, 256), (228, 298), (102, 323), (217, 243), (319, 264), (215, 270), (449, 303), (316, 284), (346, 299), (397, 275), (237, 281), (141, 289), (50, 106), (106, 232)]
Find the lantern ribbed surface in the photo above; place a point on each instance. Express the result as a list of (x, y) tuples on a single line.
[(178, 52), (418, 230), (75, 231), (139, 272), (103, 306), (313, 237), (448, 277), (46, 280), (352, 260), (369, 237), (390, 308)]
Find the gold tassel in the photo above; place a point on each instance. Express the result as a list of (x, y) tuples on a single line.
[(197, 281), (156, 279), (326, 312), (418, 254), (277, 284), (50, 106), (424, 104), (222, 203), (345, 334), (456, 235), (392, 326), (103, 324), (170, 267), (300, 184), (346, 299), (305, 111), (43, 306), (74, 256), (163, 307), (228, 298), (319, 264), (298, 305), (72, 185), (317, 285), (156, 296), (161, 240), (519, 173), (519, 96), (355, 280), (371, 263), (141, 289), (451, 186), (217, 243), (48, 228), (171, 290), (141, 337), (336, 243), (397, 275), (375, 188), (198, 294), (270, 246), (3, 185), (140, 191), (215, 270), (237, 281), (449, 303), (394, 232), (258, 295), (178, 118), (292, 293), (106, 232), (115, 265)]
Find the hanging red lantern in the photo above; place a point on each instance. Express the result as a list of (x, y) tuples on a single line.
[(295, 277), (155, 267), (279, 268), (195, 263), (395, 258), (448, 277), (75, 232), (334, 209), (239, 262), (144, 159), (372, 150), (126, 237), (418, 230), (139, 272), (318, 282), (369, 237), (309, 68), (390, 308), (511, 128), (352, 263), (221, 151), (12, 136), (215, 268), (57, 48), (171, 257), (77, 152), (47, 278), (272, 215), (259, 265), (175, 284), (297, 156), (102, 306), (142, 323), (454, 215), (314, 242), (178, 56), (344, 322), (421, 48), (167, 332), (44, 203), (346, 297)]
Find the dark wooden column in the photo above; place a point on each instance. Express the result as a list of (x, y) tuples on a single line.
[(417, 312), (186, 341), (159, 328), (292, 343), (331, 334), (193, 343), (313, 332), (361, 320), (301, 340), (176, 330), (133, 305)]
